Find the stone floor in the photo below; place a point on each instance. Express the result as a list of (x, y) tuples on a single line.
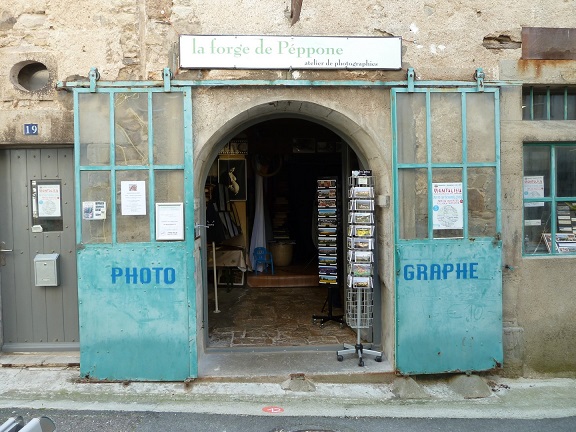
[(273, 317)]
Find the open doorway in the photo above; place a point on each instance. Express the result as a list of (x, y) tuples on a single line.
[(267, 174)]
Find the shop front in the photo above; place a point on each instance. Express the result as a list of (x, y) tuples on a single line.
[(173, 176)]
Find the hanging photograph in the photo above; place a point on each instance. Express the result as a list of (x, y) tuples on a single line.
[(232, 174)]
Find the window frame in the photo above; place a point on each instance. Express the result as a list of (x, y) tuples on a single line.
[(550, 199), (528, 96)]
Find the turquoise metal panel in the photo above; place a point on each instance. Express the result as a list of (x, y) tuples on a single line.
[(134, 312), (448, 291), (449, 306), (137, 301)]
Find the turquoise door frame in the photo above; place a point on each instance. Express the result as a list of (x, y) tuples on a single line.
[(136, 287), (448, 281), (140, 333)]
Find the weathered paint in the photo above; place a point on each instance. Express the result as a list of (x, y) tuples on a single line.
[(449, 290), (132, 327), (137, 301), (449, 323)]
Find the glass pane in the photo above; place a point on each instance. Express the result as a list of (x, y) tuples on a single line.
[(169, 186), (557, 104), (536, 224), (446, 112), (571, 102), (96, 202), (131, 128), (413, 203), (540, 105), (132, 221), (168, 122), (526, 104), (481, 138), (536, 171), (481, 202), (447, 203), (94, 123), (411, 123), (566, 171)]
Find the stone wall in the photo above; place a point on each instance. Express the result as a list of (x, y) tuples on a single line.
[(130, 40)]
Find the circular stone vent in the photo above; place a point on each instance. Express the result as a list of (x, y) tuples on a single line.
[(30, 76)]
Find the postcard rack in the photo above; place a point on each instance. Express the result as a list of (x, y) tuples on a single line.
[(360, 263), (329, 273)]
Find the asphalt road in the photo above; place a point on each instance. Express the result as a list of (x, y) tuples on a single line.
[(126, 421)]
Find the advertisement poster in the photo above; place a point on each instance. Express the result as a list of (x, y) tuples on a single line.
[(94, 210), (133, 198), (49, 200), (447, 206), (534, 188)]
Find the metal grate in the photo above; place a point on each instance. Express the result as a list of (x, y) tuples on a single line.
[(548, 103), (359, 307)]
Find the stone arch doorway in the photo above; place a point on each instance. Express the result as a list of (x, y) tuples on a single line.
[(302, 141)]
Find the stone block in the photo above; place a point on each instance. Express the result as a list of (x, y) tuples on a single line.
[(407, 388), (470, 386)]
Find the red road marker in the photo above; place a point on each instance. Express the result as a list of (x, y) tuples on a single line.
[(273, 409)]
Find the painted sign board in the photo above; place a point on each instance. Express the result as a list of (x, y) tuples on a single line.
[(290, 52), (135, 313), (449, 306)]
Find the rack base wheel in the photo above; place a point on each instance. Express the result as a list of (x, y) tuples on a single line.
[(340, 358), (378, 359), (361, 363)]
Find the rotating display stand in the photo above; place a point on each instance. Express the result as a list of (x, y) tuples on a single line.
[(360, 263), (328, 244)]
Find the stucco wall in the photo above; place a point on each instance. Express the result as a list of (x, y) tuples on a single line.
[(130, 40), (538, 291)]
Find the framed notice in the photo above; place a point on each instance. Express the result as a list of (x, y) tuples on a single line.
[(49, 202), (169, 221)]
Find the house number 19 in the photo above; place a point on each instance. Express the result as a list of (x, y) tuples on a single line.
[(30, 129)]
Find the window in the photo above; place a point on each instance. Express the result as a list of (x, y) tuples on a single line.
[(549, 103), (549, 199), (47, 205)]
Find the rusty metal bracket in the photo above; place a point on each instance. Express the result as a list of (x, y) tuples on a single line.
[(479, 76), (167, 75), (411, 76), (94, 76)]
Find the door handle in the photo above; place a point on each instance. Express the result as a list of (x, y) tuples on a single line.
[(2, 257)]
